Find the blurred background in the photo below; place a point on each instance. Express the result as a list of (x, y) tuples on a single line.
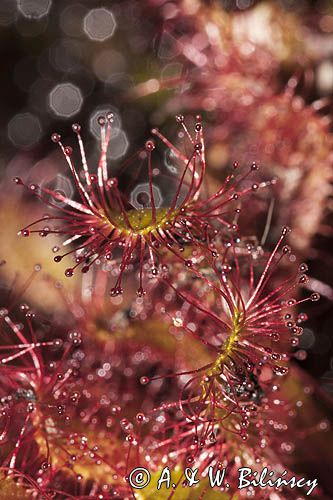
[(261, 73)]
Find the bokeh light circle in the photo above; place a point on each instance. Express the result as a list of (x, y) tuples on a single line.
[(99, 24), (65, 99)]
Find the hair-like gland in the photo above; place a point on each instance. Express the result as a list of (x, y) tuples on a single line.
[(43, 434), (104, 222), (250, 315)]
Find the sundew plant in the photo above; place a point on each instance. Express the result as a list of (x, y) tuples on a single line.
[(165, 270)]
